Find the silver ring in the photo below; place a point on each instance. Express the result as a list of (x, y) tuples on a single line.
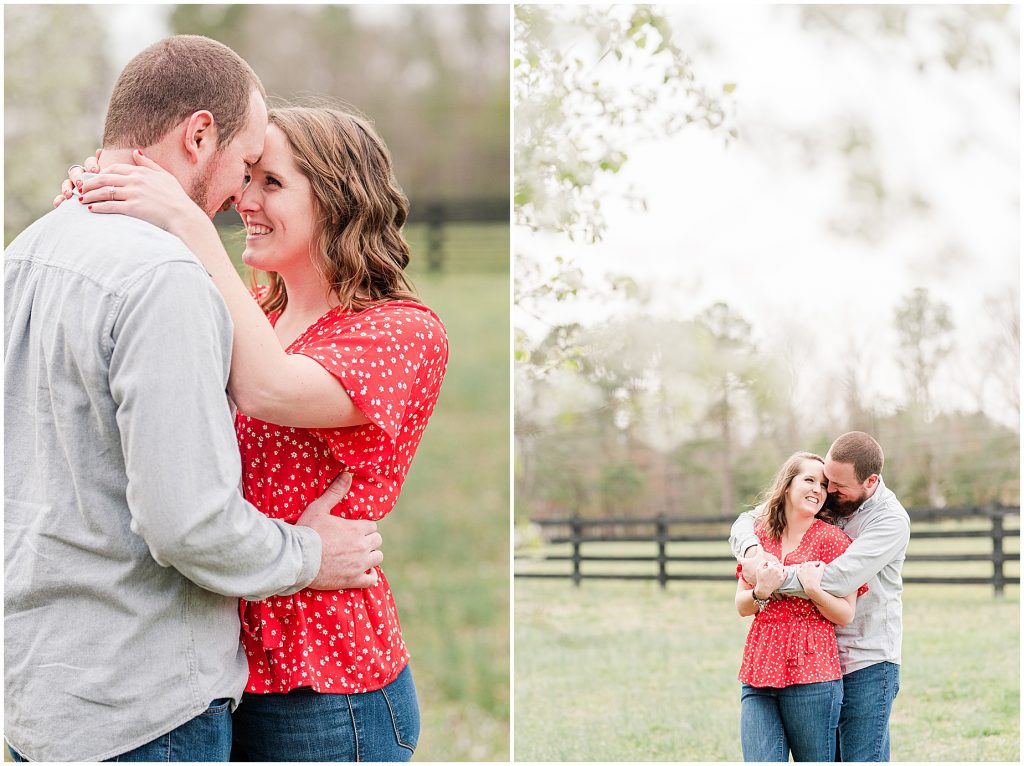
[(73, 167), (110, 190)]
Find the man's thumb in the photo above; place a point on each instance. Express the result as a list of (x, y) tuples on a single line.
[(338, 488)]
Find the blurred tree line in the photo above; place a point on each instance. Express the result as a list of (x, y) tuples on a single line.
[(434, 79), (691, 417), (55, 94)]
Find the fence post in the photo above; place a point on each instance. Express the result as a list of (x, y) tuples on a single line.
[(577, 539), (435, 237), (998, 578), (662, 532)]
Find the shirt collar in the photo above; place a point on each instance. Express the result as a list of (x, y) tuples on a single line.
[(875, 498)]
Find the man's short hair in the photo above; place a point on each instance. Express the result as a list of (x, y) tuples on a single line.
[(859, 449), (171, 80)]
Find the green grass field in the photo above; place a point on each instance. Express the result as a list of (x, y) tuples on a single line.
[(447, 543), (623, 671)]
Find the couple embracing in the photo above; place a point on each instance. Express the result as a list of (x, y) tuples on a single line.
[(820, 563), (183, 582)]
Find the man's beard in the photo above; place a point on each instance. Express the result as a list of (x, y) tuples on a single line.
[(201, 189), (842, 508)]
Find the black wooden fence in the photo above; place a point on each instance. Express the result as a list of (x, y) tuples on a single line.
[(446, 235), (663, 530), (439, 219)]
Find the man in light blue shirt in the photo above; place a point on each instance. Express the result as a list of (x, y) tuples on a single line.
[(870, 646), (126, 541)]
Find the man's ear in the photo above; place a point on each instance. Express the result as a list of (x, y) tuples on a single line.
[(200, 135), (871, 482)]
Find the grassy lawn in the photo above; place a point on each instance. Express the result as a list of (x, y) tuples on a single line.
[(623, 671), (447, 543)]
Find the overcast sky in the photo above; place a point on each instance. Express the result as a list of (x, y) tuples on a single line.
[(750, 226)]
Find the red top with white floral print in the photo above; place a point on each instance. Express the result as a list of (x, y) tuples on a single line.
[(391, 360), (789, 641)]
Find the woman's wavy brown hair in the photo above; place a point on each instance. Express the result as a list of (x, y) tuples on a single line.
[(773, 519), (360, 253)]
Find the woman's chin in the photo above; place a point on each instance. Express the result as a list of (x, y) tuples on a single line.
[(251, 260)]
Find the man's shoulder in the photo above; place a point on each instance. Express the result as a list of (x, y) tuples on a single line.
[(109, 250), (890, 505), (886, 513)]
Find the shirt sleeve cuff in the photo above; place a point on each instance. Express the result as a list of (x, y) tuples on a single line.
[(746, 543), (312, 553)]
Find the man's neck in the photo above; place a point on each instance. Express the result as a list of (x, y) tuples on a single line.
[(110, 157), (158, 152)]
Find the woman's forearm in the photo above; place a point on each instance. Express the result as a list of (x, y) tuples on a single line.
[(266, 382), (839, 610), (256, 352), (745, 604)]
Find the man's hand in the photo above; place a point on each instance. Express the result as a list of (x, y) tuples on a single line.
[(770, 575), (351, 547), (752, 561)]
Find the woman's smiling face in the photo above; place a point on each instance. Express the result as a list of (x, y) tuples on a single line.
[(278, 209), (808, 489)]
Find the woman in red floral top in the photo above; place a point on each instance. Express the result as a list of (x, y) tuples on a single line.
[(343, 378), (792, 687)]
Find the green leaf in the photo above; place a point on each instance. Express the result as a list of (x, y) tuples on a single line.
[(729, 87)]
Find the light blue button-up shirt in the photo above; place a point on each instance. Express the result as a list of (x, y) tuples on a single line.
[(126, 540), (880, 530)]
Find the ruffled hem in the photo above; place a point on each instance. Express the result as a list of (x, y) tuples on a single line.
[(309, 639), (326, 683), (783, 653)]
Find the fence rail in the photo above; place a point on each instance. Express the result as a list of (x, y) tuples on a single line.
[(658, 530), (445, 235)]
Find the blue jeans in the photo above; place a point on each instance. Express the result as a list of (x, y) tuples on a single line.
[(305, 725), (207, 737), (801, 718), (868, 694)]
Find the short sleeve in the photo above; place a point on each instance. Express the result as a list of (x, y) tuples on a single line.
[(390, 360)]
